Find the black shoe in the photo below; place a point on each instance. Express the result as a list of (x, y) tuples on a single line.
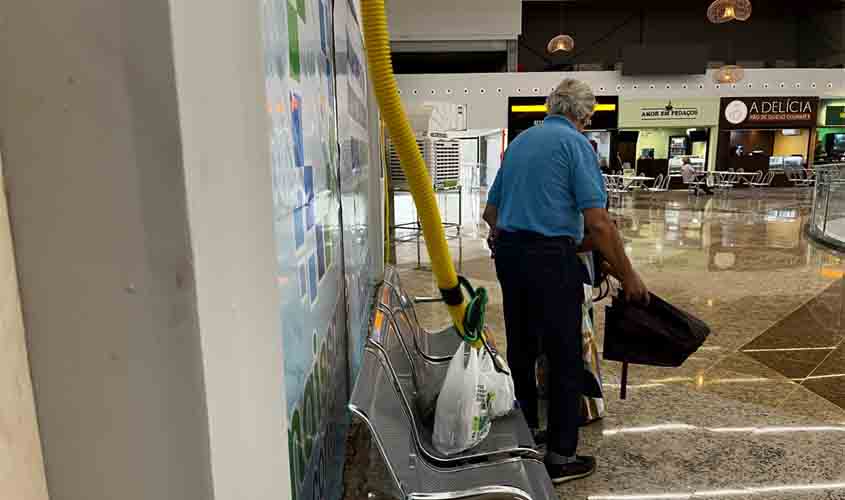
[(583, 466)]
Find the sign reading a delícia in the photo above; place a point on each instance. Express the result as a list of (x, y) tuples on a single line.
[(768, 112)]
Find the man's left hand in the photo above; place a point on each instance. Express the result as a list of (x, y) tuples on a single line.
[(491, 242)]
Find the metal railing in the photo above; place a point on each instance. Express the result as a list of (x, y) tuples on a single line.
[(827, 222)]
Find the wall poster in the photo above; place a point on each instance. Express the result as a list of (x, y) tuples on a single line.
[(300, 87), (353, 137)]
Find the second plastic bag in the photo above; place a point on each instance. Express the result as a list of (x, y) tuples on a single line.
[(462, 417), (500, 390)]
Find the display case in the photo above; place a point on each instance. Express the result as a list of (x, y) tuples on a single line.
[(794, 161), (827, 222), (675, 164)]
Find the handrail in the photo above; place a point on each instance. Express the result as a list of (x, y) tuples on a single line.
[(827, 220)]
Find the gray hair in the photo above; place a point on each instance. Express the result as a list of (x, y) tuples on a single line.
[(572, 98)]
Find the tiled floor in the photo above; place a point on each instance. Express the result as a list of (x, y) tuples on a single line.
[(759, 411)]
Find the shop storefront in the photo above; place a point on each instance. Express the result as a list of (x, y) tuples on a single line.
[(830, 134), (656, 135), (767, 133), (525, 112)]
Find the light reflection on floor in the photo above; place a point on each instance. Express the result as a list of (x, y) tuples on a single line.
[(759, 411)]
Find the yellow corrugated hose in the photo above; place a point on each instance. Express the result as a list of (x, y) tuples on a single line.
[(377, 42)]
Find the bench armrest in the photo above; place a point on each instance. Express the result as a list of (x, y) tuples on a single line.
[(427, 300)]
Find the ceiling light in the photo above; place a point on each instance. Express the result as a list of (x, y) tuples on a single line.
[(561, 43), (725, 11), (730, 73), (742, 10)]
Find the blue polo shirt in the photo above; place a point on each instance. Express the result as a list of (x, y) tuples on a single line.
[(549, 176)]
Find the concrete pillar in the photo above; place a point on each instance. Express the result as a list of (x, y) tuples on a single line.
[(135, 146)]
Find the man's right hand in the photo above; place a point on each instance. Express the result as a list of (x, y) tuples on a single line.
[(635, 289)]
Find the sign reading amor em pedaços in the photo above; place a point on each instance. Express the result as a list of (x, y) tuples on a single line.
[(768, 112), (669, 112)]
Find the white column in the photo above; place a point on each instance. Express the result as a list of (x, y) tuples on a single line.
[(97, 200), (136, 157), (376, 188), (220, 81)]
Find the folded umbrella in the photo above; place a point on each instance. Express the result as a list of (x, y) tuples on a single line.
[(658, 334)]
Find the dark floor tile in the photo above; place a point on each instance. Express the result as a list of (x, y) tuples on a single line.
[(800, 329), (791, 364), (834, 364), (739, 377), (815, 324), (808, 406), (832, 389)]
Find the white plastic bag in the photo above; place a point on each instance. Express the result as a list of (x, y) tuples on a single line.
[(462, 417), (500, 390)]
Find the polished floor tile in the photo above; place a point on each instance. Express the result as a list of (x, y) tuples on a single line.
[(806, 405), (832, 389), (791, 364), (833, 365), (817, 324), (739, 377), (755, 413)]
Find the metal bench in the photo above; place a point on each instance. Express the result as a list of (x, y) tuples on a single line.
[(377, 401), (420, 380), (435, 346)]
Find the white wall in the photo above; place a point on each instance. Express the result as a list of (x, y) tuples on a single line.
[(219, 61), (90, 140), (21, 464), (410, 20), (140, 197), (486, 95)]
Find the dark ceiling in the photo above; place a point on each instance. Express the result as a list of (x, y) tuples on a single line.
[(449, 62), (805, 32), (780, 33)]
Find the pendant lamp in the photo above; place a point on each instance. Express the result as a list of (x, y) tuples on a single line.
[(730, 73), (562, 42), (743, 10), (724, 11)]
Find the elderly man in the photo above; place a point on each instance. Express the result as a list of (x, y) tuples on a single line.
[(548, 190)]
